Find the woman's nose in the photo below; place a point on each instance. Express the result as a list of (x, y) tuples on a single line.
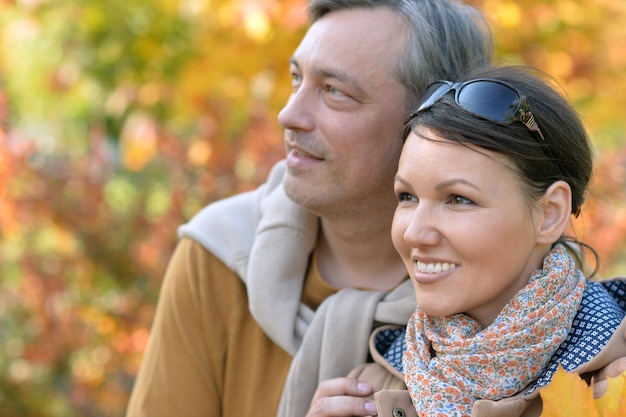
[(422, 228)]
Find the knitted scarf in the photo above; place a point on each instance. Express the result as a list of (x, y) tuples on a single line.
[(496, 362)]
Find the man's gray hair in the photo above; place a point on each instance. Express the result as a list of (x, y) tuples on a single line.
[(446, 38)]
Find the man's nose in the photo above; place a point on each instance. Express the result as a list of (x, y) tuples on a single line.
[(299, 112)]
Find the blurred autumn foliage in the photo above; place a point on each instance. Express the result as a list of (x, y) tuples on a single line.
[(119, 119)]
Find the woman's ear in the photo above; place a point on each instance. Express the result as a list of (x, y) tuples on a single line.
[(556, 206)]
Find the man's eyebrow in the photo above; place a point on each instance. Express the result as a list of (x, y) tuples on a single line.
[(336, 74)]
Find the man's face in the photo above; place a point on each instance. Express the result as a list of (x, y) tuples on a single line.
[(343, 120)]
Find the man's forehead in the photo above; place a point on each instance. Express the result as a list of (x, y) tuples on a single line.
[(374, 29), (346, 50)]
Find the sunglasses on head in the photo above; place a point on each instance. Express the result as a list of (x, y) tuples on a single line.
[(488, 98)]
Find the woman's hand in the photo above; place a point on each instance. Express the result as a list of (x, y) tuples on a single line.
[(612, 370), (340, 397)]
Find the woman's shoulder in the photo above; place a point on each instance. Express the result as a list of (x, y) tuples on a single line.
[(600, 314)]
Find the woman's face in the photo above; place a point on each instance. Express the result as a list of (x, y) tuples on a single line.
[(463, 227)]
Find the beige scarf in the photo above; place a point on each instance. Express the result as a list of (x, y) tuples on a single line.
[(267, 239), (332, 340)]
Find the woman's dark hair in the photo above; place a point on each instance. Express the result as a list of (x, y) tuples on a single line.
[(566, 153)]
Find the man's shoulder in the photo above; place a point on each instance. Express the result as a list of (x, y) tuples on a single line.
[(227, 227), (236, 214)]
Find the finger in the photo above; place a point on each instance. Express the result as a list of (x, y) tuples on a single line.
[(342, 405), (599, 388), (342, 397), (342, 386), (612, 370), (615, 368)]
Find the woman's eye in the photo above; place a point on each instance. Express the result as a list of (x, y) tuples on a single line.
[(457, 200), (402, 197)]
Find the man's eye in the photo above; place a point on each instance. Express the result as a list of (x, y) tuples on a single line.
[(334, 91), (296, 79)]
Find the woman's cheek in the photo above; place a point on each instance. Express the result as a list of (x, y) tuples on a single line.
[(398, 229)]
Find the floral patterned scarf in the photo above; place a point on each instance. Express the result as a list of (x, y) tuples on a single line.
[(496, 362)]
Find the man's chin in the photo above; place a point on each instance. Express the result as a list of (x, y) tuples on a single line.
[(295, 186), (302, 191)]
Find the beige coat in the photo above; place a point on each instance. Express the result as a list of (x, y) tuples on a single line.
[(393, 400)]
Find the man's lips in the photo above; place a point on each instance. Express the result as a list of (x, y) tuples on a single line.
[(297, 158), (299, 153)]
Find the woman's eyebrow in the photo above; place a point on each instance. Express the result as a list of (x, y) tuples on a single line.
[(447, 183)]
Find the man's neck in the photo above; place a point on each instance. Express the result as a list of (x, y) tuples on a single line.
[(354, 256)]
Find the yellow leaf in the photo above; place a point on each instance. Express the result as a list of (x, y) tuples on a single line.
[(567, 396), (613, 402)]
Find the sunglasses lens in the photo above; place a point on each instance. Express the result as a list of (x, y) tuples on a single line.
[(433, 93), (490, 100)]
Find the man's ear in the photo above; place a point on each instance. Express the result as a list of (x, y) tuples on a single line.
[(556, 206)]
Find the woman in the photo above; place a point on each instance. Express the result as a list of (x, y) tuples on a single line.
[(491, 171)]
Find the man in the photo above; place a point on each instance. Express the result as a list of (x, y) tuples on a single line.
[(281, 287)]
